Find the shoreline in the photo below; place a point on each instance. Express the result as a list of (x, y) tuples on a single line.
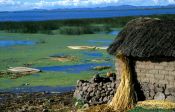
[(36, 102), (38, 89)]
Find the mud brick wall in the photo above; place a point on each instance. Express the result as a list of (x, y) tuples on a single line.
[(154, 72)]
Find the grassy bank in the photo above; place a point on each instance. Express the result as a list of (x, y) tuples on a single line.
[(38, 55)]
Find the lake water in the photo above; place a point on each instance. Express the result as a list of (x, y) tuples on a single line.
[(93, 54), (100, 41), (74, 68), (48, 89), (6, 43), (114, 32), (60, 15)]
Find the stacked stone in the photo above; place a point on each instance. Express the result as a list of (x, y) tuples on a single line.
[(98, 90), (158, 92)]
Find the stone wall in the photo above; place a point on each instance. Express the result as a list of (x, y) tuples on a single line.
[(153, 79), (96, 91), (157, 79)]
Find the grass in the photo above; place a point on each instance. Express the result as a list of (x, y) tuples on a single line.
[(140, 109), (37, 56), (45, 79)]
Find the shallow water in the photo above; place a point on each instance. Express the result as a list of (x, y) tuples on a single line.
[(73, 68), (115, 33), (59, 55), (6, 43), (93, 54), (48, 89), (100, 41)]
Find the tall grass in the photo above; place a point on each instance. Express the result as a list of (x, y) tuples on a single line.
[(78, 30), (81, 25)]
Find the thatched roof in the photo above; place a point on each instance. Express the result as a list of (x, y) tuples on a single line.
[(146, 37)]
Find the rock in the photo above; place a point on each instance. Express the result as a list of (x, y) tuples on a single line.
[(162, 86), (76, 104), (101, 84), (101, 99), (85, 106), (159, 96), (145, 87), (84, 84), (78, 81), (100, 88), (111, 92), (152, 94), (146, 93), (108, 86), (85, 88), (167, 92), (26, 84), (94, 78), (51, 100), (172, 91), (171, 98), (112, 85), (98, 93), (103, 94), (94, 85), (100, 68), (45, 110), (109, 89), (90, 89), (151, 86), (87, 97), (105, 99), (78, 95), (112, 79), (91, 94), (159, 89), (110, 74), (149, 98)]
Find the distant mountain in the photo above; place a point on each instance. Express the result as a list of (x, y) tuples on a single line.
[(122, 7), (38, 10)]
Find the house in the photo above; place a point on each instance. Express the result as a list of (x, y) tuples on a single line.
[(149, 46)]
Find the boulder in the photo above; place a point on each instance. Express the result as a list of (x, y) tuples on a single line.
[(171, 98), (159, 96), (78, 95)]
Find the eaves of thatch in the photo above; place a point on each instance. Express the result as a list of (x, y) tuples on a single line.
[(144, 38)]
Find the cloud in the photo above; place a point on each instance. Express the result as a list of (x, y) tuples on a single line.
[(74, 3), (48, 4), (91, 3), (6, 2)]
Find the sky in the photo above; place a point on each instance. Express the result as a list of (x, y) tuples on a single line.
[(13, 5)]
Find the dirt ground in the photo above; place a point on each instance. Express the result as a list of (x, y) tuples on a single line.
[(37, 102)]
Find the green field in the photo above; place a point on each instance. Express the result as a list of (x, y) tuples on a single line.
[(50, 40), (38, 55)]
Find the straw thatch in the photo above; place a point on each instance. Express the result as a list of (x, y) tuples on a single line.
[(146, 37), (124, 99)]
